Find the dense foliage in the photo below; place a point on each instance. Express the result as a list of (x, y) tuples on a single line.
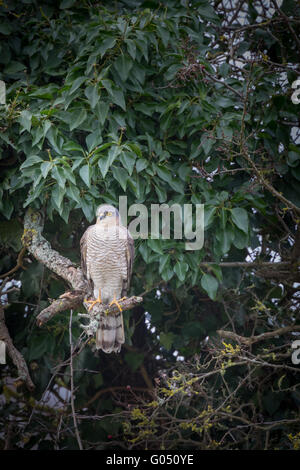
[(172, 102)]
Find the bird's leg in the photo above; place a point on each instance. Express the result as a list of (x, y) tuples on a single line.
[(94, 302), (114, 301)]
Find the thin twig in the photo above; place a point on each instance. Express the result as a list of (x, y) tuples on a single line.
[(72, 384), (18, 265)]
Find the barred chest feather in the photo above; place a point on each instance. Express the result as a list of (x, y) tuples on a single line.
[(106, 260)]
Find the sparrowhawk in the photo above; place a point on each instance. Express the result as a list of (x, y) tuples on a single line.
[(107, 252)]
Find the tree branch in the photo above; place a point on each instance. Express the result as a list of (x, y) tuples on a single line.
[(40, 248), (255, 339), (18, 265), (267, 185), (248, 265), (14, 354)]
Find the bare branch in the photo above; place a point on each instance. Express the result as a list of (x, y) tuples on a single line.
[(256, 339), (18, 265), (14, 354), (72, 384), (245, 264)]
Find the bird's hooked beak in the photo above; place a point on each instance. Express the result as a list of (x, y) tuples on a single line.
[(102, 216)]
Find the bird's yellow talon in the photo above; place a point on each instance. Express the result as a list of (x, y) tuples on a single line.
[(114, 301), (94, 302)]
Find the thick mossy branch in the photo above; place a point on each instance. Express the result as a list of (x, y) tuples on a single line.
[(71, 300), (41, 249)]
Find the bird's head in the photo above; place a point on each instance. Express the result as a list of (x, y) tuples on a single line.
[(107, 214)]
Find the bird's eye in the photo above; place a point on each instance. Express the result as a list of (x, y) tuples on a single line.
[(109, 213)]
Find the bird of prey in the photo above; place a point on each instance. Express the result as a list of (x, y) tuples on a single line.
[(107, 252)]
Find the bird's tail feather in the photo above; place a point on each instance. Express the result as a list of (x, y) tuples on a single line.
[(110, 334)]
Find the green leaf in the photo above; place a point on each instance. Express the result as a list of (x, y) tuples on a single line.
[(31, 161), (106, 45), (135, 148), (209, 214), (88, 209), (14, 67), (161, 193), (101, 111), (184, 171), (66, 4), (210, 285), (57, 195), (207, 143), (166, 340), (76, 84), (172, 71), (134, 360), (156, 245), (167, 273), (223, 217), (72, 146), (225, 236), (118, 98), (181, 269), (38, 347), (121, 176), (93, 140), (7, 208), (73, 193), (59, 176), (240, 239), (106, 161), (85, 174), (177, 185), (123, 65), (45, 168), (293, 158), (131, 47), (164, 173), (25, 120), (128, 160), (163, 262), (69, 175), (141, 164), (91, 92), (53, 138), (79, 118), (240, 218)]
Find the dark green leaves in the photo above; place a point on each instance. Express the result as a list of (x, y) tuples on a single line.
[(240, 218), (121, 176), (91, 92), (25, 120), (210, 285), (180, 269), (106, 45), (85, 174), (106, 161), (78, 117), (123, 65)]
